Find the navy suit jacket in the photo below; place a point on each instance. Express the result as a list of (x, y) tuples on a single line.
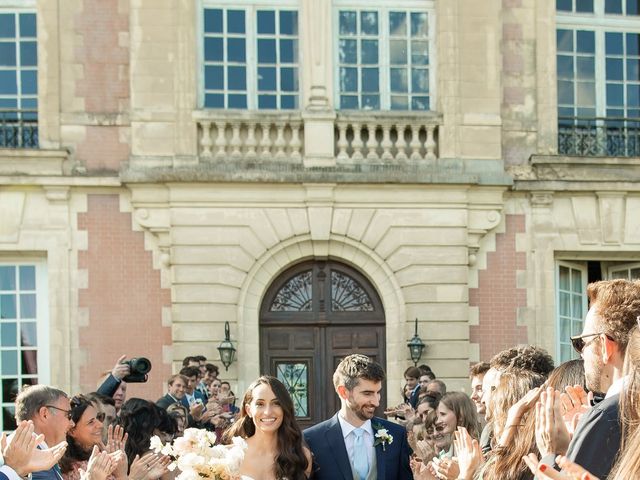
[(3, 476), (197, 396), (331, 460), (45, 475)]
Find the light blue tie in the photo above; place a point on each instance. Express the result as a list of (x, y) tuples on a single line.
[(360, 457)]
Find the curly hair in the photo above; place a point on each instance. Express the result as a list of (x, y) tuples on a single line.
[(76, 452), (479, 368), (291, 461), (617, 303), (529, 357)]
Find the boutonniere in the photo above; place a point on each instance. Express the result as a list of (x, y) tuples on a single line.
[(382, 436)]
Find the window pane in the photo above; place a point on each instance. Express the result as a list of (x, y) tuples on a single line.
[(266, 50), (266, 21), (564, 40), (288, 102), (28, 334), (565, 93), (29, 82), (214, 78), (564, 304), (288, 51), (576, 277), (28, 54), (237, 101), (585, 42), (10, 388), (565, 66), (27, 25), (565, 352), (369, 52), (7, 278), (615, 94), (584, 6), (288, 22), (214, 100), (614, 69), (213, 20), (237, 78), (419, 25), (565, 329), (371, 102), (348, 102), (8, 306), (586, 93), (613, 43), (398, 52), (632, 95), (398, 23), (419, 80), (9, 362), (348, 23), (632, 7), (28, 305), (613, 6), (236, 50), (577, 305), (9, 334), (370, 80), (348, 80), (348, 51), (267, 78), (29, 362), (289, 79), (213, 49), (632, 70), (399, 80), (564, 278), (7, 25), (564, 5), (8, 83), (369, 23), (586, 68), (419, 53), (633, 44), (235, 21), (8, 54), (420, 103), (399, 102), (267, 101)]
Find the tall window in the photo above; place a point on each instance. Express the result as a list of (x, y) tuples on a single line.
[(23, 352), (18, 79), (383, 58), (250, 57), (598, 69)]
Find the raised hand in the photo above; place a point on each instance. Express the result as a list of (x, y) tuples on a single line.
[(196, 411), (422, 470), (148, 467), (99, 467), (446, 468), (425, 449), (17, 453), (551, 433), (120, 370), (516, 412), (575, 403), (468, 453)]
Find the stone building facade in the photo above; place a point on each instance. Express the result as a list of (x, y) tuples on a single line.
[(169, 166)]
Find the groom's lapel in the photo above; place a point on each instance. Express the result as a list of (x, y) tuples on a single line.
[(335, 440), (380, 452)]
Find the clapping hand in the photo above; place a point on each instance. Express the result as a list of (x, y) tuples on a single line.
[(149, 467), (422, 471), (100, 466), (425, 449), (22, 455), (468, 453), (551, 433), (570, 470), (575, 403), (446, 468)]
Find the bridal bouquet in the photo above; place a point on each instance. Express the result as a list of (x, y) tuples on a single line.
[(198, 458)]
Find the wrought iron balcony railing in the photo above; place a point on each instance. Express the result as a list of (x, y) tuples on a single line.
[(18, 128), (599, 136)]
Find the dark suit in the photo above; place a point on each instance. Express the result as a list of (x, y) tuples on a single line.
[(167, 400), (414, 397), (331, 460), (197, 395), (46, 475)]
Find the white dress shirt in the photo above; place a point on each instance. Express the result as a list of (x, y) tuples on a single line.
[(349, 436)]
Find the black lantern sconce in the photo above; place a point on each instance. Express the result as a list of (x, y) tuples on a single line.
[(226, 348), (416, 346)]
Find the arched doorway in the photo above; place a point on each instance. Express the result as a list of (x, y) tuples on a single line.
[(312, 316)]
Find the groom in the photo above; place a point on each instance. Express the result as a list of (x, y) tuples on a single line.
[(353, 444)]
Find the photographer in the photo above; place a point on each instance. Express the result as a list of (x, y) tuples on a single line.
[(115, 383)]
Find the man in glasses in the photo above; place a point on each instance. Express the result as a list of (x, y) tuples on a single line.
[(50, 411), (614, 310)]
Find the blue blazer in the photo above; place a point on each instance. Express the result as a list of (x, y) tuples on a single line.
[(197, 395), (331, 460), (46, 475)]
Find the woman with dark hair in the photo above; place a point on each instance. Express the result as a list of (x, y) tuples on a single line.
[(275, 446)]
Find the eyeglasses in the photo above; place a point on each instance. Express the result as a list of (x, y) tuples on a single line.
[(578, 342), (67, 412)]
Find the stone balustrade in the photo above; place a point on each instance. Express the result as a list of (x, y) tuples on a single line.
[(386, 137), (250, 135)]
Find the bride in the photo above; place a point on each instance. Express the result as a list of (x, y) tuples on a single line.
[(275, 449)]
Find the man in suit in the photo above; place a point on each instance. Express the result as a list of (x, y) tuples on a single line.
[(412, 377), (50, 411), (615, 308), (177, 385), (191, 395), (354, 444)]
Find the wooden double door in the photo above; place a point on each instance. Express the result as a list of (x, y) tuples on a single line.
[(312, 316)]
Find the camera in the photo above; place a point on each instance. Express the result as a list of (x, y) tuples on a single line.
[(139, 368)]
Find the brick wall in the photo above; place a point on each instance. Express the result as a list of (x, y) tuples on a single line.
[(124, 298), (497, 296)]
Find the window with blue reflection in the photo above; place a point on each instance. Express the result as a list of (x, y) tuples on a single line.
[(615, 94), (289, 22), (585, 41), (613, 6), (8, 57), (564, 5), (584, 6), (235, 21), (267, 22), (633, 7)]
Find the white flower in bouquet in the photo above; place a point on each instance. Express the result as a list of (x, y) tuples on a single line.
[(198, 458)]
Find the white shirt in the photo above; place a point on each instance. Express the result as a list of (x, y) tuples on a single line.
[(617, 387), (349, 437)]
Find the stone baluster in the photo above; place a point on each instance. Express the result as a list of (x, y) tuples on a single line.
[(236, 141), (265, 140), (221, 141), (250, 142), (280, 142), (415, 142), (357, 143), (343, 143), (295, 143), (430, 143), (401, 144), (386, 143), (371, 144), (205, 141)]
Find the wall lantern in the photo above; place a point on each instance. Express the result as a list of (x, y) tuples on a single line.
[(226, 348), (416, 346)]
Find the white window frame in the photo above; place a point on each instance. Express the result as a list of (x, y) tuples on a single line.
[(383, 8), (251, 36), (599, 23), (621, 268), (42, 319), (582, 267)]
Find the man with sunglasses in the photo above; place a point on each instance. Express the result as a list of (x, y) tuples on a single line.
[(614, 309), (50, 411)]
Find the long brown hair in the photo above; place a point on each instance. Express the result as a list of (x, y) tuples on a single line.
[(291, 462), (464, 409), (506, 462)]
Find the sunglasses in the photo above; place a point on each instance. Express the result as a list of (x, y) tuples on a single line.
[(579, 344), (66, 412)]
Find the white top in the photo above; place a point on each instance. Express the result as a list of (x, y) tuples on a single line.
[(349, 436), (617, 387)]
